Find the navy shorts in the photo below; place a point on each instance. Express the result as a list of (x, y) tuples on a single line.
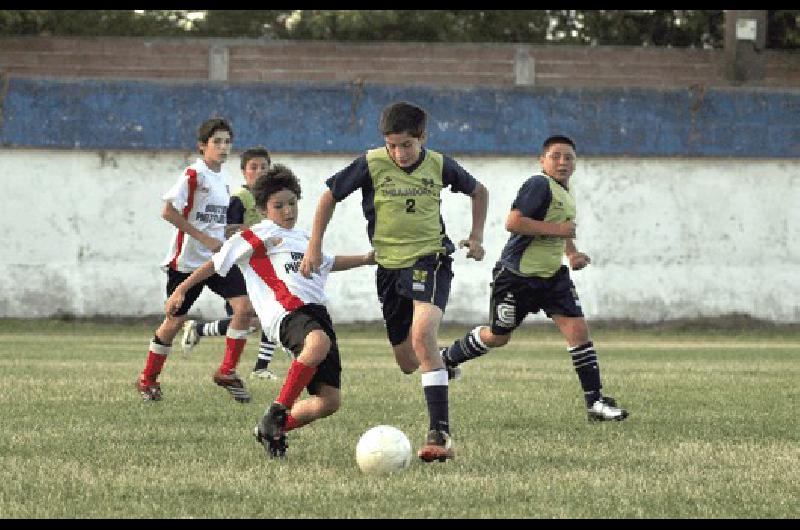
[(428, 280), (514, 297), (227, 287), (296, 326)]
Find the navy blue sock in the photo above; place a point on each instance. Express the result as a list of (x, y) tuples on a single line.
[(466, 348), (584, 359), (434, 385), (216, 328), (266, 349)]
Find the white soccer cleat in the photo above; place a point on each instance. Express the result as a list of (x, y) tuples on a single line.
[(190, 336), (264, 373), (606, 409)]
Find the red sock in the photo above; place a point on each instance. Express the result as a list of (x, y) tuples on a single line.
[(233, 350), (297, 378), (291, 423), (153, 366)]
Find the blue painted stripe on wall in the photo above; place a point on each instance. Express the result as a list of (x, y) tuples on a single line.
[(93, 114)]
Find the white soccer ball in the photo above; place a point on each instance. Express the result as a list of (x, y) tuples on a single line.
[(383, 449)]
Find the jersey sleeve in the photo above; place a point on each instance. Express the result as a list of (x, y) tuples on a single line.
[(533, 198), (455, 176), (234, 249), (351, 178), (178, 194), (327, 262), (235, 211)]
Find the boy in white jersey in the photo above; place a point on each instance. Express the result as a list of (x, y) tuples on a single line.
[(289, 305), (242, 213), (197, 206)]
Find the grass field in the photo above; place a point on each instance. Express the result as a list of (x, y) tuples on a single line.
[(713, 433)]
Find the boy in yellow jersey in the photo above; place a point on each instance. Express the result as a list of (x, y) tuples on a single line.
[(530, 277), (401, 185), (242, 214)]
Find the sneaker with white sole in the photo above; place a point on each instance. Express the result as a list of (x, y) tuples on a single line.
[(149, 390), (605, 409), (190, 336), (264, 373), (233, 384), (438, 446)]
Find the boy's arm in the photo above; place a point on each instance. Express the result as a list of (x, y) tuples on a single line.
[(518, 223), (480, 204), (343, 263), (174, 217), (175, 301), (577, 260), (235, 217), (322, 216)]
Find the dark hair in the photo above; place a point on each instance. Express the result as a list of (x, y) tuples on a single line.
[(557, 139), (403, 117), (279, 177), (255, 152), (210, 126)]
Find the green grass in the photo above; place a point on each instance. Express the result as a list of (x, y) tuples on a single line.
[(713, 431)]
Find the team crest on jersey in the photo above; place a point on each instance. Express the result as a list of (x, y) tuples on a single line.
[(418, 279), (427, 182)]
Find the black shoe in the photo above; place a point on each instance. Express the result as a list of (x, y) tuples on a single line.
[(453, 370), (275, 448), (269, 431)]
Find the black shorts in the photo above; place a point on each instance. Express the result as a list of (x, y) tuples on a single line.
[(227, 287), (296, 326), (514, 297), (428, 280)]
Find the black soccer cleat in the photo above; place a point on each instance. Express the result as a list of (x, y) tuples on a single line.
[(269, 431)]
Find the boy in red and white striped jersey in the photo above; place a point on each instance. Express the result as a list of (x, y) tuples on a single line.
[(290, 306), (197, 205)]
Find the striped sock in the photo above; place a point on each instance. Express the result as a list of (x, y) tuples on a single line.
[(215, 328), (266, 349), (466, 348), (584, 359)]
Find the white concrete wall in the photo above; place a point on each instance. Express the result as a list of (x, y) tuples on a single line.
[(669, 238)]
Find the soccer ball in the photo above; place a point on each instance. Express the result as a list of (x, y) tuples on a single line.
[(383, 449)]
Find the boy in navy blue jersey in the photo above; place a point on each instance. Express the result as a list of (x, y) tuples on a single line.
[(530, 277)]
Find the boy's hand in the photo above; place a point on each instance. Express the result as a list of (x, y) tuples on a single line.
[(232, 229), (475, 247), (578, 260), (568, 229), (271, 242), (369, 259), (174, 302), (311, 263)]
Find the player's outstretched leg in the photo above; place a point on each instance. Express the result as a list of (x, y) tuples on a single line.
[(468, 347)]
